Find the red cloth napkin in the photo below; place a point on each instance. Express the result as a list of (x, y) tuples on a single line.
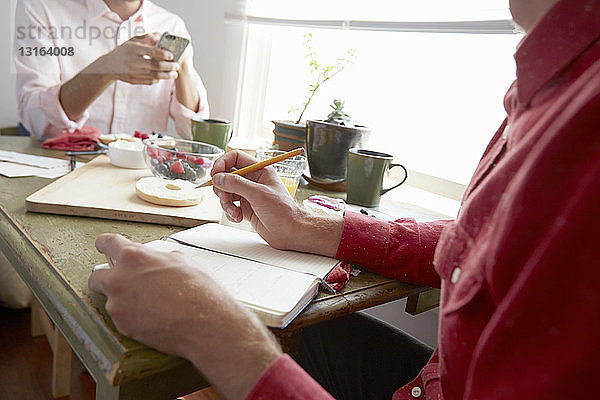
[(338, 276), (84, 139)]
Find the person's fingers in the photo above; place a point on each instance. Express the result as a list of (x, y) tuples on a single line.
[(147, 79), (161, 54), (233, 213), (163, 66), (239, 185), (112, 246), (97, 280), (164, 75), (246, 209), (149, 39), (149, 52), (230, 160)]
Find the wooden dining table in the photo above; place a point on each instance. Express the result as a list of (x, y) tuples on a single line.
[(54, 255)]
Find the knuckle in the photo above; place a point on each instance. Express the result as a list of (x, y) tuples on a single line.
[(130, 254), (112, 309), (111, 285)]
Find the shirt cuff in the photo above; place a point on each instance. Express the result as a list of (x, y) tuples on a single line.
[(55, 114), (364, 241), (285, 380), (183, 115)]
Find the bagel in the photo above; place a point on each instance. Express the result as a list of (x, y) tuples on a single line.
[(165, 192)]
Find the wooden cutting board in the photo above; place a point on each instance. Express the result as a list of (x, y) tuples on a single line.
[(102, 190)]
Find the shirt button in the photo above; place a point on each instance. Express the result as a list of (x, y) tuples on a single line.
[(415, 392), (505, 132), (455, 275)]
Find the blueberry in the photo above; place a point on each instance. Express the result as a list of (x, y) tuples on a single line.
[(155, 163)]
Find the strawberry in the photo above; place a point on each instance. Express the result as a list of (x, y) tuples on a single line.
[(181, 156), (177, 167), (169, 156)]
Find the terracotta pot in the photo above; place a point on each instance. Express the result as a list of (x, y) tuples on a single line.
[(327, 148), (288, 135)]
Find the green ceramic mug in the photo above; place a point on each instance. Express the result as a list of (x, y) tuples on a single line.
[(212, 131), (364, 179)]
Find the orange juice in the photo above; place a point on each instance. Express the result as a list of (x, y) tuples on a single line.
[(291, 183)]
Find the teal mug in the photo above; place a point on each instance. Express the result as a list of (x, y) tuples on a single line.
[(365, 172), (212, 131)]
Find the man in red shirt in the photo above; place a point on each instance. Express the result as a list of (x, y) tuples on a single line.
[(518, 268)]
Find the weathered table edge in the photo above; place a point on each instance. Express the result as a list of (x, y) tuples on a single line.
[(115, 364)]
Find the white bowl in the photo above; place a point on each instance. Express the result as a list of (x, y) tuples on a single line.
[(126, 154)]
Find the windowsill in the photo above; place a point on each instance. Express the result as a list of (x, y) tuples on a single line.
[(408, 201)]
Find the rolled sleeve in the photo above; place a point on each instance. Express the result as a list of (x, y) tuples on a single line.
[(182, 116), (286, 380), (401, 249), (54, 112)]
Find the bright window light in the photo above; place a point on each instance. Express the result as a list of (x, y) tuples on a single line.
[(433, 100)]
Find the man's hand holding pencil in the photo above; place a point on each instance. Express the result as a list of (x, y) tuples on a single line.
[(261, 198)]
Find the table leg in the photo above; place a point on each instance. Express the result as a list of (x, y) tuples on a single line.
[(61, 365), (105, 391), (61, 350), (37, 327), (422, 302)]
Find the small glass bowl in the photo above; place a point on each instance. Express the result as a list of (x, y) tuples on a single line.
[(180, 159)]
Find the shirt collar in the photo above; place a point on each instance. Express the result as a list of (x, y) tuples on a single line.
[(565, 32), (98, 8)]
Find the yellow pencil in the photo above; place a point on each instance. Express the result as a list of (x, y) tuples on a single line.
[(261, 164)]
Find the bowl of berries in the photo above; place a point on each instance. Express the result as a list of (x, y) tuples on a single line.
[(180, 159)]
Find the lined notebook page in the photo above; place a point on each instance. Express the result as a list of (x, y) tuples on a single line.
[(274, 290), (250, 245)]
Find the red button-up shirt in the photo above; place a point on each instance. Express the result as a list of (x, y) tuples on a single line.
[(519, 268)]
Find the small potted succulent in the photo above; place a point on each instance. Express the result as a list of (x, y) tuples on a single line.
[(328, 142), (292, 133)]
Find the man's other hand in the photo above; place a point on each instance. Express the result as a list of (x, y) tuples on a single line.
[(138, 61), (165, 301)]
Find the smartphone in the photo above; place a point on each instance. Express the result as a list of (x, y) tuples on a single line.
[(174, 44)]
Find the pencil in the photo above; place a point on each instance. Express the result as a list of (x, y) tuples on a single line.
[(259, 165)]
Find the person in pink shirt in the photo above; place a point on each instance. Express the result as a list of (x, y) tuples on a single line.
[(518, 268), (94, 62)]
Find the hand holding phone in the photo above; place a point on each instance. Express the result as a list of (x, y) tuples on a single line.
[(174, 44)]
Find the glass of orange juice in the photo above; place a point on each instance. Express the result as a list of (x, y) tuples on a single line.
[(289, 170)]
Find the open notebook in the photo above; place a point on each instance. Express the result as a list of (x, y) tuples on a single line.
[(275, 284)]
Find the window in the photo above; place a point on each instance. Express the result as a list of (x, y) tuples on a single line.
[(431, 91)]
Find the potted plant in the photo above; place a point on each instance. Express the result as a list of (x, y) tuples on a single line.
[(328, 142), (292, 133)]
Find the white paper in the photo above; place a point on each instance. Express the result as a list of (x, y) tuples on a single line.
[(250, 245), (31, 160), (13, 170)]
